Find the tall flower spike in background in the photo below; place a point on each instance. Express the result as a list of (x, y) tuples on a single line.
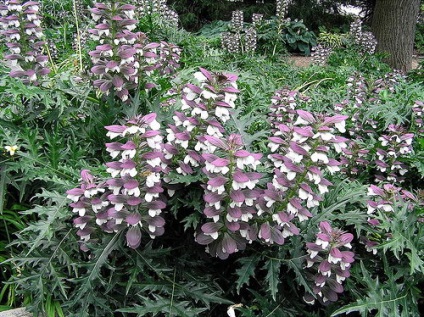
[(124, 60), (320, 54), (159, 8), (365, 40), (20, 24), (115, 59), (281, 9)]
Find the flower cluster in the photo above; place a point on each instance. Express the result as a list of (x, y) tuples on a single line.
[(80, 39), (205, 108), (382, 202), (123, 55), (231, 42), (355, 160), (197, 141), (157, 7), (300, 157), (21, 28), (320, 54), (168, 58), (385, 197), (387, 156), (393, 145), (365, 40), (356, 28), (418, 116), (250, 39), (329, 263), (115, 59), (230, 196), (360, 95), (388, 82), (131, 199), (240, 40), (257, 19), (284, 104), (281, 9), (236, 23), (357, 89), (80, 10)]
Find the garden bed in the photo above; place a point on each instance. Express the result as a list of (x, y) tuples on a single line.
[(200, 175)]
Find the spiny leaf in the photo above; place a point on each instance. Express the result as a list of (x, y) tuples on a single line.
[(272, 277), (296, 262), (200, 292), (100, 259), (242, 123), (364, 306), (394, 297), (246, 271), (160, 305)]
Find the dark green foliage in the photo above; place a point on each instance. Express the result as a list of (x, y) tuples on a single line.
[(389, 294), (319, 15), (298, 37), (195, 14)]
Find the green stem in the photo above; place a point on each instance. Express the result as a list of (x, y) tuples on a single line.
[(74, 7), (3, 198)]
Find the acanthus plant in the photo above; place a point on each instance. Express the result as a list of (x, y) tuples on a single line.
[(366, 41), (328, 263), (131, 199), (124, 59), (240, 39), (21, 28), (392, 145), (393, 218), (239, 206), (418, 116), (198, 142), (320, 54), (300, 157), (159, 8)]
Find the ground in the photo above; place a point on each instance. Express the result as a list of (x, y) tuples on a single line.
[(304, 61)]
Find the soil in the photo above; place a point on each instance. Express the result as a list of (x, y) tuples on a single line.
[(305, 61)]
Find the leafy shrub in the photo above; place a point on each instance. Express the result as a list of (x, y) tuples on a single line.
[(298, 37)]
